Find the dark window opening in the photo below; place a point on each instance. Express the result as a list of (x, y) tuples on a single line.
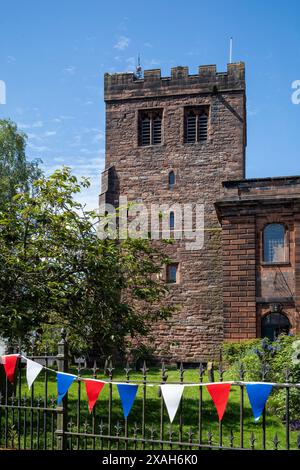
[(196, 125), (150, 127), (274, 243), (172, 273), (273, 325), (172, 220), (171, 179)]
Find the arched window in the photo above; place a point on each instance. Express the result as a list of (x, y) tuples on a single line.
[(274, 243), (274, 324), (172, 220), (171, 179)]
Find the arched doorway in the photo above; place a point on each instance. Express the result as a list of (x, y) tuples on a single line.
[(274, 324)]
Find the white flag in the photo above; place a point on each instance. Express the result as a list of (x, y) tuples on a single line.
[(32, 371), (172, 394)]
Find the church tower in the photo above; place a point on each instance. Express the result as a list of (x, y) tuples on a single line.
[(174, 140)]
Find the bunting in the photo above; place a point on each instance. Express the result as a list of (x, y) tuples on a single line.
[(9, 362), (64, 382), (32, 371), (258, 395), (93, 389), (258, 392), (127, 394), (172, 394), (219, 394)]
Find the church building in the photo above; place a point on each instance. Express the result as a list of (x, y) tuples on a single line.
[(182, 139)]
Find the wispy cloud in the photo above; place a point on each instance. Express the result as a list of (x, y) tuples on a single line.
[(151, 63), (36, 124), (131, 63), (98, 137), (70, 70), (37, 148), (33, 136), (11, 59), (50, 133), (122, 43)]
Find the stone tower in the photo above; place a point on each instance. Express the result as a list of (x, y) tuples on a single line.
[(174, 140)]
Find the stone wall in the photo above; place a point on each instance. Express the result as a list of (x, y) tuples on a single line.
[(195, 332), (252, 286)]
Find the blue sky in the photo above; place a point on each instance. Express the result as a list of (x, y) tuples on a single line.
[(53, 55)]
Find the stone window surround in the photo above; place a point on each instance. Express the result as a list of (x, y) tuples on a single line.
[(287, 261)]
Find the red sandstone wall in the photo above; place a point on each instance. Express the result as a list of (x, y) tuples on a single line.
[(196, 331)]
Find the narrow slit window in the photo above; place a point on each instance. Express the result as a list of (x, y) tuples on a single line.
[(172, 273), (171, 179), (172, 220)]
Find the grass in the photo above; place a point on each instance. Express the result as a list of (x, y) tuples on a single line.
[(190, 408)]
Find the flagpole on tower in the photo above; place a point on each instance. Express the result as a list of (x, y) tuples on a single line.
[(230, 50)]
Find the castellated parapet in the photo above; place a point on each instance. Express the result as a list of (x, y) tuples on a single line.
[(126, 85)]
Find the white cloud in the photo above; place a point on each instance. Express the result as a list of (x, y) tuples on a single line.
[(11, 59), (38, 124), (70, 70), (37, 148), (151, 63), (98, 137), (29, 126), (50, 133), (31, 135), (131, 61), (24, 126), (122, 43)]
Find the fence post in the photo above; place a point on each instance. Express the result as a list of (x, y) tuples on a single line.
[(62, 410)]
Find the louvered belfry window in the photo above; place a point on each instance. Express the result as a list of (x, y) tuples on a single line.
[(150, 131), (196, 124)]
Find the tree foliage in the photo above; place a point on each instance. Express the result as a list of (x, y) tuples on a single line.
[(56, 272), (16, 172)]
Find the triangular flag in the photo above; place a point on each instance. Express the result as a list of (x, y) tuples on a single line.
[(258, 395), (93, 388), (127, 395), (172, 394), (219, 394), (32, 371), (64, 381), (9, 362)]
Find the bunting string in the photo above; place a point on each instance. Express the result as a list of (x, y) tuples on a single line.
[(258, 392)]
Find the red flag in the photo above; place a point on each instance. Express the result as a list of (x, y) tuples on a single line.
[(219, 394), (9, 363), (93, 389)]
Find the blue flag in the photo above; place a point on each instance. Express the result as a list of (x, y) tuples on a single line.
[(258, 395), (127, 395), (64, 381)]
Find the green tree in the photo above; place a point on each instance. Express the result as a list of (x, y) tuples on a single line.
[(56, 272), (16, 172)]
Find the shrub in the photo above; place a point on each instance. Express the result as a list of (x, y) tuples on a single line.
[(277, 359)]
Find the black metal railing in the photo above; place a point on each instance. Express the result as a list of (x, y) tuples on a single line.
[(35, 421)]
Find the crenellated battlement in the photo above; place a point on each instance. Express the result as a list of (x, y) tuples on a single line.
[(128, 86)]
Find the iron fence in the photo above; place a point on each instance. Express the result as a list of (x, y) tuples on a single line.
[(35, 421)]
